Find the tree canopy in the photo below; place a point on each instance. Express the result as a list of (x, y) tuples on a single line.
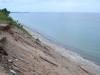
[(4, 12)]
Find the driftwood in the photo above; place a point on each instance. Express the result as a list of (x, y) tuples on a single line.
[(84, 70), (3, 52), (2, 40), (5, 27), (37, 41), (49, 61)]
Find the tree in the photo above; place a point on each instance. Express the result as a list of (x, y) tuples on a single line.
[(5, 11)]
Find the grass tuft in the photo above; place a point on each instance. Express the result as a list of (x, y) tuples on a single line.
[(6, 19)]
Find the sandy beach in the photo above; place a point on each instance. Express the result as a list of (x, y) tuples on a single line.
[(70, 55)]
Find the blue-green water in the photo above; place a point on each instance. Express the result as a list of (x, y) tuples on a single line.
[(79, 32)]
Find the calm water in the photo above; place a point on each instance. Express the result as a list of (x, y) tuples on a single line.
[(79, 32)]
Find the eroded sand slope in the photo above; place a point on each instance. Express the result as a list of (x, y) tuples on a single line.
[(21, 54)]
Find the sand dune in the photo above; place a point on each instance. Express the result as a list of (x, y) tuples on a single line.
[(34, 55)]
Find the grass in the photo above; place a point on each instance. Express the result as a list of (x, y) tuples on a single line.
[(8, 20), (5, 19)]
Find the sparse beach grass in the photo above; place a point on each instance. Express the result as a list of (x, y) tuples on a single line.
[(6, 19)]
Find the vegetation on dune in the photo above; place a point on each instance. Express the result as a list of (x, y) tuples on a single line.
[(5, 12), (6, 19), (4, 16)]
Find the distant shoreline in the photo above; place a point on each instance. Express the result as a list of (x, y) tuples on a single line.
[(58, 12)]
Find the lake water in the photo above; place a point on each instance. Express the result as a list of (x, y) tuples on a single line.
[(79, 32)]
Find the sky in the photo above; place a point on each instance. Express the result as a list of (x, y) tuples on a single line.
[(51, 5)]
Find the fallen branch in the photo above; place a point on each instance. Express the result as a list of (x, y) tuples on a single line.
[(84, 70), (49, 61)]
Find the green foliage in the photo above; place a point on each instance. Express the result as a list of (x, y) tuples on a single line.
[(5, 12), (5, 18)]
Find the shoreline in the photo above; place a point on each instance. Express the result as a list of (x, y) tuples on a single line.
[(27, 52), (86, 52), (73, 56)]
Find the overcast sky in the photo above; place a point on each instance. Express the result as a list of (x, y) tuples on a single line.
[(51, 5)]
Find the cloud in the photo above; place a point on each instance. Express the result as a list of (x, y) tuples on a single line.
[(51, 5)]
